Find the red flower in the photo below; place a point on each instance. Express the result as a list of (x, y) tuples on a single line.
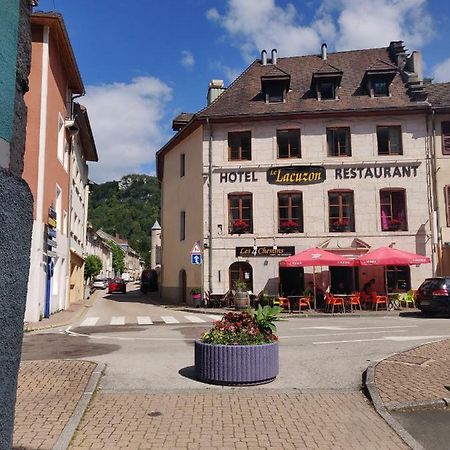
[(289, 224), (341, 222), (240, 225)]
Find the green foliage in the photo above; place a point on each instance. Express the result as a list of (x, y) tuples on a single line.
[(129, 207), (238, 329), (266, 316), (92, 266), (240, 286), (196, 290), (118, 256)]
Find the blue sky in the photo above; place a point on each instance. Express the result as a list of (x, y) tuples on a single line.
[(144, 61)]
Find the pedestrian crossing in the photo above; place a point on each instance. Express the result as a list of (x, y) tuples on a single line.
[(147, 320)]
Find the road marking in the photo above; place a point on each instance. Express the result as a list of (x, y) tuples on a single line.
[(144, 320), (214, 317), (117, 320), (342, 334), (194, 319), (356, 328), (169, 319), (89, 322), (385, 338)]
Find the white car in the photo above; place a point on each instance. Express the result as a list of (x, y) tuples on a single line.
[(100, 283)]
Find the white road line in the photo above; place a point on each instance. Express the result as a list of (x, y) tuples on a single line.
[(117, 320), (342, 334), (169, 319), (385, 338), (194, 319), (89, 322), (144, 320), (214, 317), (356, 328)]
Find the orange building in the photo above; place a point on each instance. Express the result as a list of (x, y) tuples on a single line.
[(54, 82)]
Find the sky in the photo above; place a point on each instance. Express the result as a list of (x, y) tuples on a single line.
[(145, 61)]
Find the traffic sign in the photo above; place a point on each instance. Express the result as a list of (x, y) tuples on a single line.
[(196, 248), (196, 259)]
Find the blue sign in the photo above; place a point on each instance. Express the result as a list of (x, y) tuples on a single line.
[(196, 259)]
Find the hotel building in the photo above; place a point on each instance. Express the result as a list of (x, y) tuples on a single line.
[(326, 150)]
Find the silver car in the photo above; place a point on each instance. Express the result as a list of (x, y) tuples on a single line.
[(100, 283)]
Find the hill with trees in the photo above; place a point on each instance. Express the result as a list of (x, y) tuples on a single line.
[(128, 207)]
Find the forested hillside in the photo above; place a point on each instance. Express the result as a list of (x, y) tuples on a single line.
[(128, 207)]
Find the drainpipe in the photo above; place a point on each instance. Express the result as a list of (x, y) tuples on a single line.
[(210, 265), (435, 224)]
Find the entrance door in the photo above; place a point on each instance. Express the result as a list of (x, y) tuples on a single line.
[(344, 279), (292, 281), (241, 271), (182, 285)]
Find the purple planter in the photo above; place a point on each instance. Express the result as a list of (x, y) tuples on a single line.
[(236, 364)]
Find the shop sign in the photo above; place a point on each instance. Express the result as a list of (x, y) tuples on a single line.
[(238, 176), (265, 251), (296, 175), (364, 172)]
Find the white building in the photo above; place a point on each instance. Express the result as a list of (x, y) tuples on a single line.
[(98, 246), (323, 150)]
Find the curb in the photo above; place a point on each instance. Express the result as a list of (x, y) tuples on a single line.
[(383, 412), (71, 426)]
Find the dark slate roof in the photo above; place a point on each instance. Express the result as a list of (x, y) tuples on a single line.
[(439, 94), (243, 98)]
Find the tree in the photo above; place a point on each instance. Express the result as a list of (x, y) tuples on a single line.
[(118, 256), (92, 266)]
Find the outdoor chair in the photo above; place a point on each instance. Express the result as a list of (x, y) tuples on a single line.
[(408, 299), (380, 300), (304, 302), (354, 301), (337, 301), (282, 302)]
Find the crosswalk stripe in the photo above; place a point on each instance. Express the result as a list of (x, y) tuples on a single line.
[(194, 319), (144, 320), (169, 319), (117, 320), (89, 322), (213, 316)]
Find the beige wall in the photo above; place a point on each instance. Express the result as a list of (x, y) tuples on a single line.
[(181, 194)]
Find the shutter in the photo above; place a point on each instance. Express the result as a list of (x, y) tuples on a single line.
[(445, 127), (447, 203)]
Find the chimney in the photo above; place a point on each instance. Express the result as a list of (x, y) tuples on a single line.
[(264, 58), (398, 54), (414, 65), (324, 51), (215, 88), (274, 56)]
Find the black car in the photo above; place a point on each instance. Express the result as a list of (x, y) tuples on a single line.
[(433, 295), (149, 281)]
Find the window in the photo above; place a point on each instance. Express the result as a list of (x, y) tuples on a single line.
[(393, 210), (338, 140), (239, 146), (240, 213), (445, 128), (275, 93), (58, 207), (447, 202), (380, 88), (389, 140), (290, 212), (61, 139), (327, 90), (182, 225), (288, 142), (182, 165), (341, 211)]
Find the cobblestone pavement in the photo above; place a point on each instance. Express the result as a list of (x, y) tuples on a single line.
[(416, 375), (233, 419), (47, 395)]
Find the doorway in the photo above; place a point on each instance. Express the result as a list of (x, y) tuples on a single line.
[(241, 271), (344, 279), (292, 281)]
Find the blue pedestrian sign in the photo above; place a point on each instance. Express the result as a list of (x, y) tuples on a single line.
[(196, 259)]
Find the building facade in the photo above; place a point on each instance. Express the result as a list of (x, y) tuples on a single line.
[(325, 150), (96, 245)]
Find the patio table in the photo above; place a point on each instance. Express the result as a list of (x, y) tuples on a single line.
[(394, 301)]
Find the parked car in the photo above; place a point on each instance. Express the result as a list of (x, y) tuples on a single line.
[(117, 285), (149, 281), (433, 295), (100, 283)]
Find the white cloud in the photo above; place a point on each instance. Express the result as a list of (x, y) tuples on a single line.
[(441, 72), (344, 24), (126, 123), (187, 58)]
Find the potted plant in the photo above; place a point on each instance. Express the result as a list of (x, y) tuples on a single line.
[(289, 226), (241, 297), (240, 226), (394, 224), (340, 225), (240, 349), (196, 294)]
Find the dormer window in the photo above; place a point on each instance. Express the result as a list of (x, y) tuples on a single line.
[(275, 85), (275, 93), (325, 82), (378, 78), (327, 90), (380, 88)]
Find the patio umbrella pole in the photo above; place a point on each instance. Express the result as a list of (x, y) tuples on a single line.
[(314, 281)]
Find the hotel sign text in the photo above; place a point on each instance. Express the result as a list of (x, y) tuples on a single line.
[(296, 175), (348, 173), (238, 176)]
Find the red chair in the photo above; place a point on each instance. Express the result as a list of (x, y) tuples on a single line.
[(354, 301), (380, 300), (304, 301), (283, 302), (332, 301)]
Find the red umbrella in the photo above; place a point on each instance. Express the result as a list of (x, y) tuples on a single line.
[(387, 256), (316, 257)]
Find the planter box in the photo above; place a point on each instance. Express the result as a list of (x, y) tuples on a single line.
[(236, 364)]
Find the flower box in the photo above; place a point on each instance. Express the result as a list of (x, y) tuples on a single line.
[(289, 226), (239, 227), (236, 364)]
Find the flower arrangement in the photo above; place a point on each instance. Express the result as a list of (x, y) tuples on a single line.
[(394, 223), (240, 286), (244, 328), (341, 223), (289, 225), (240, 226), (196, 291)]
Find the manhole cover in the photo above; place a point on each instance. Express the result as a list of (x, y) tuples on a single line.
[(408, 359)]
